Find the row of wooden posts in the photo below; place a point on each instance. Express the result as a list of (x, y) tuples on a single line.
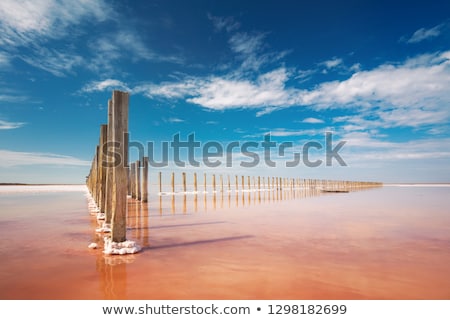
[(138, 183), (108, 178), (111, 179)]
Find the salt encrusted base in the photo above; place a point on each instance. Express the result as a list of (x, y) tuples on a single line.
[(126, 247), (101, 216), (93, 245), (105, 228)]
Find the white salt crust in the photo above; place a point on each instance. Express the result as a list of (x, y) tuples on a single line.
[(121, 248)]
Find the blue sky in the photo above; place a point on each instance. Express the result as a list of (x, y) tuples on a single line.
[(374, 73)]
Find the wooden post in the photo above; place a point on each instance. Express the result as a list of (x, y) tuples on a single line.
[(145, 180), (160, 182), (237, 184), (120, 138), (214, 182), (195, 182), (133, 180), (242, 178), (173, 182), (102, 167), (221, 183), (138, 180), (204, 181), (184, 181), (229, 183), (248, 183)]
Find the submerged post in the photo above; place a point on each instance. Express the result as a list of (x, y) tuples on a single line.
[(120, 177)]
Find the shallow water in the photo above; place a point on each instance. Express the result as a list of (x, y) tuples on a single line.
[(384, 243)]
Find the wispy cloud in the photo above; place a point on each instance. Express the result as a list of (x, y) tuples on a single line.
[(174, 120), (124, 44), (228, 24), (105, 85), (53, 61), (424, 34), (12, 98), (332, 63), (15, 158), (28, 21), (7, 125)]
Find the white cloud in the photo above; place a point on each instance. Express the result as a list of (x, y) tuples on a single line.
[(224, 23), (267, 91), (4, 60), (423, 34), (175, 120), (170, 90), (312, 120), (413, 93), (15, 158), (12, 98), (28, 21), (105, 85), (53, 61), (332, 63), (363, 147), (7, 125)]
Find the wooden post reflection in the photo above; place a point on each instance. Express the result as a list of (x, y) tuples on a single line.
[(173, 203)]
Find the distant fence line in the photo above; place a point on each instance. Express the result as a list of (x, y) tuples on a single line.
[(109, 186)]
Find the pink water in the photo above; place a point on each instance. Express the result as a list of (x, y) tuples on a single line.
[(386, 243)]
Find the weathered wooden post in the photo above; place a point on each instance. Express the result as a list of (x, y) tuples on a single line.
[(120, 138), (204, 181), (237, 184), (214, 182), (221, 183), (229, 183), (102, 167), (133, 179), (259, 183), (138, 180), (109, 168), (195, 182), (184, 181), (173, 182), (160, 182), (145, 179)]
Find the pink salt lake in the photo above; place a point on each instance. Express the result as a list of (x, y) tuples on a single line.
[(384, 243)]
